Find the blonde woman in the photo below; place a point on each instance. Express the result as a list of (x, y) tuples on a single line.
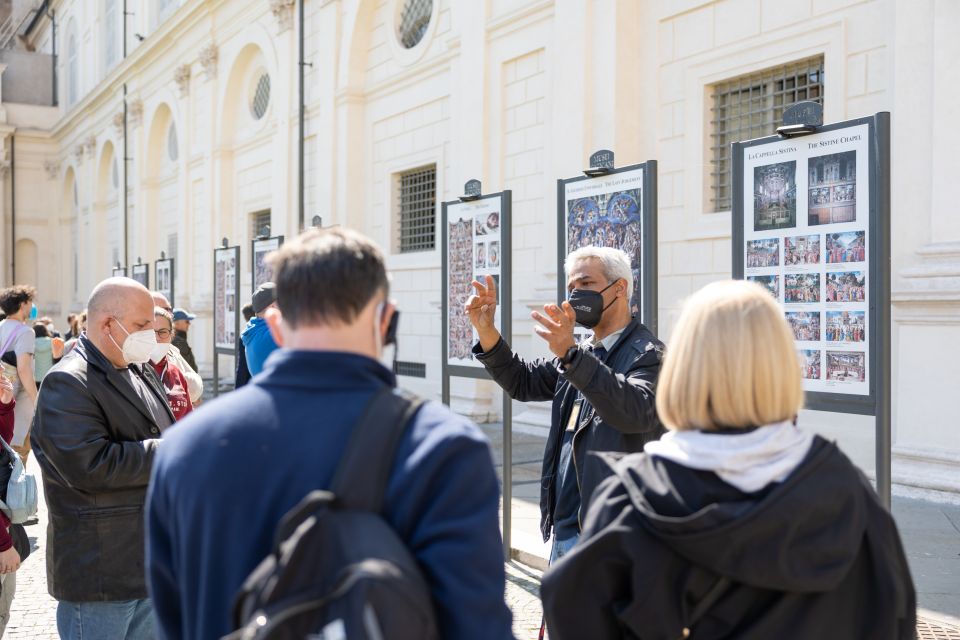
[(735, 524)]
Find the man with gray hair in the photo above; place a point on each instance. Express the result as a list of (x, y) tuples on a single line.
[(99, 417), (602, 389)]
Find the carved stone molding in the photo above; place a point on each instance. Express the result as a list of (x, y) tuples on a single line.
[(135, 113), (52, 167), (181, 75), (117, 122), (4, 168), (208, 60), (78, 152), (90, 144), (283, 13)]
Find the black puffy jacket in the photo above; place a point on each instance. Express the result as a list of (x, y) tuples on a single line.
[(95, 441), (621, 415)]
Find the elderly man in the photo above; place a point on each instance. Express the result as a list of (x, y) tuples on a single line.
[(194, 381), (602, 390), (99, 416)]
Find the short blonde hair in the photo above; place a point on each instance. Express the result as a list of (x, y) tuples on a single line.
[(731, 362)]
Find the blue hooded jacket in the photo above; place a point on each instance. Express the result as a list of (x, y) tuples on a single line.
[(258, 344)]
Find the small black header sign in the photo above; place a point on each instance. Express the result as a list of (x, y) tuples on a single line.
[(806, 113), (472, 188), (602, 159)]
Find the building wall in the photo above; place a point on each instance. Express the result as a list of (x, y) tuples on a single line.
[(516, 93)]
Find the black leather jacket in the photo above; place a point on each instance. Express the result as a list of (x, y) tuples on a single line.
[(95, 441), (621, 416)]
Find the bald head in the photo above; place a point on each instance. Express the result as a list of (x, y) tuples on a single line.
[(160, 300), (116, 308)]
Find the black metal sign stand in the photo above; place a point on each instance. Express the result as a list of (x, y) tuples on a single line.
[(219, 294), (601, 168), (259, 245), (472, 193), (165, 266), (141, 273), (804, 119)]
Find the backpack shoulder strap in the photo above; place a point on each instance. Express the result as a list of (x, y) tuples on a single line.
[(364, 470)]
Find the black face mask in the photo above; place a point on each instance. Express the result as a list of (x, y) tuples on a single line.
[(588, 305)]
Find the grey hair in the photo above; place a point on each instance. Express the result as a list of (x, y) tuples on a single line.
[(615, 263)]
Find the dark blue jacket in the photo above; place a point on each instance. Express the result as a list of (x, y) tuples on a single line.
[(227, 473), (258, 344)]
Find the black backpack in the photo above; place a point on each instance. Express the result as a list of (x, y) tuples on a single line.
[(338, 570)]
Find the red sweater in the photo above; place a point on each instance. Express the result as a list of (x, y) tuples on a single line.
[(6, 432), (175, 384)]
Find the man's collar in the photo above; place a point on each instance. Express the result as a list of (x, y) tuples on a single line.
[(610, 340)]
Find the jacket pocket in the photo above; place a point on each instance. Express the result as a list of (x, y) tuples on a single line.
[(99, 513)]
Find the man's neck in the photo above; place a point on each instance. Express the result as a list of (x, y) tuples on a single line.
[(347, 339), (609, 326)]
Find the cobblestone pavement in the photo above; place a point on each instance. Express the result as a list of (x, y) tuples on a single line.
[(523, 598)]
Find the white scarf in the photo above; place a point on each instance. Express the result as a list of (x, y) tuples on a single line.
[(749, 461)]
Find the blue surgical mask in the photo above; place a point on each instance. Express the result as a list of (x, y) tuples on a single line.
[(33, 312)]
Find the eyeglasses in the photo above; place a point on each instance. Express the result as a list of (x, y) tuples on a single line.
[(163, 333)]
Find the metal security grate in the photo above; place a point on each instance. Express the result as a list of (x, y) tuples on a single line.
[(261, 97), (410, 369), (172, 246), (418, 203), (752, 107), (935, 630), (414, 20)]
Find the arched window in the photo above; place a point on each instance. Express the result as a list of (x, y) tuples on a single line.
[(110, 30), (73, 65), (414, 20), (173, 151)]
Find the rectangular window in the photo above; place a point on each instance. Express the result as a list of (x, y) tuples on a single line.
[(110, 39), (260, 223), (752, 107), (417, 201)]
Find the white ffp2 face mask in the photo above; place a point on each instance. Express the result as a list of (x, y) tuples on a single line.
[(138, 347), (159, 352)]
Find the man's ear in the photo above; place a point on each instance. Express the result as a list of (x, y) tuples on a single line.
[(274, 321)]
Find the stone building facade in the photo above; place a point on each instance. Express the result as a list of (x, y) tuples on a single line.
[(203, 95)]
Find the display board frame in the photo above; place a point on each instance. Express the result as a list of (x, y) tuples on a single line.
[(223, 288), (118, 272), (646, 284), (164, 273), (259, 248), (141, 273), (474, 207), (876, 402)]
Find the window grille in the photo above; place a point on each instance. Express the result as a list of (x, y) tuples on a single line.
[(418, 203), (414, 20), (259, 220), (410, 369), (752, 107), (261, 97)]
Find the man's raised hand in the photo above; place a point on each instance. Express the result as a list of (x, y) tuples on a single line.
[(481, 307)]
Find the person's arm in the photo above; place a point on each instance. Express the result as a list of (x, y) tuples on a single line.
[(71, 433), (161, 572), (25, 372), (445, 502), (625, 402), (243, 372)]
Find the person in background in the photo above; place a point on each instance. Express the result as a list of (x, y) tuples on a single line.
[(194, 381), (48, 351), (243, 372), (17, 346), (181, 325), (79, 326), (257, 341), (737, 523), (71, 326), (9, 558), (97, 429), (173, 380), (48, 322)]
